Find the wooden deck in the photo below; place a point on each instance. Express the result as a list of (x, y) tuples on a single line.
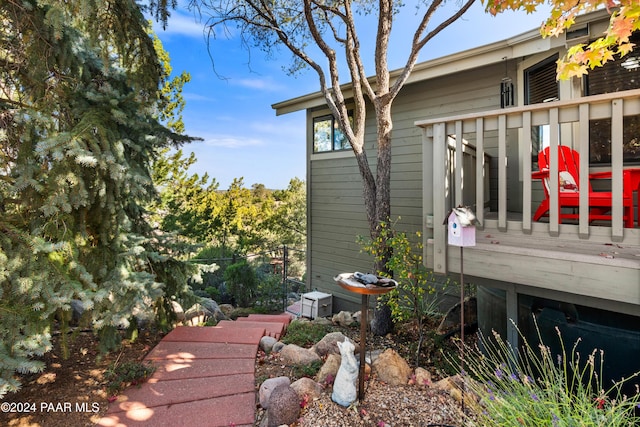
[(597, 272), (594, 264)]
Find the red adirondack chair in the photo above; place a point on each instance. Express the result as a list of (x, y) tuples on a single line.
[(600, 202)]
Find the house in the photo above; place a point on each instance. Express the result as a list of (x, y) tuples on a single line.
[(467, 131)]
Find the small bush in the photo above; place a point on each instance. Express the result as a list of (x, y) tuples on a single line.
[(309, 371), (538, 388), (304, 334), (241, 283), (123, 375), (269, 293)]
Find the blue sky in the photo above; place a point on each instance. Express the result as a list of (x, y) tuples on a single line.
[(229, 100)]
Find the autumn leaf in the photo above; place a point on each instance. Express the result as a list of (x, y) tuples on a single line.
[(621, 29)]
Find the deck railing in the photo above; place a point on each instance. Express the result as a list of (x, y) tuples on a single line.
[(491, 131)]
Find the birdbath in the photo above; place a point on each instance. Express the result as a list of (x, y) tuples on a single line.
[(347, 281)]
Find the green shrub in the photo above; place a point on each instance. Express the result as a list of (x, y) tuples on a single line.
[(538, 388), (213, 293), (304, 334), (123, 375), (241, 283), (269, 293), (416, 297), (416, 294), (310, 370)]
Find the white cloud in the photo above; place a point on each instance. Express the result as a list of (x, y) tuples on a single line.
[(278, 126), (192, 96), (181, 23), (266, 84), (231, 141)]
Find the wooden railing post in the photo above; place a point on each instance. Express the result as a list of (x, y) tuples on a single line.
[(440, 172), (554, 204), (617, 226), (526, 172), (480, 170)]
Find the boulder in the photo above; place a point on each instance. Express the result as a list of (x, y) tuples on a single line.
[(422, 377), (213, 308), (457, 387), (307, 388), (391, 368), (178, 311), (292, 354), (327, 373), (381, 321), (328, 344), (267, 387), (344, 318), (227, 309), (204, 310), (277, 347), (267, 343), (323, 321), (284, 406), (77, 310)]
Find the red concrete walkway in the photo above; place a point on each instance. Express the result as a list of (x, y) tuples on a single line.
[(204, 377)]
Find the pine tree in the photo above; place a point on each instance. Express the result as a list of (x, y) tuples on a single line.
[(79, 129)]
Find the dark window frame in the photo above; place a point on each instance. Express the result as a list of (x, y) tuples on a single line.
[(338, 141), (613, 77), (541, 72), (543, 69)]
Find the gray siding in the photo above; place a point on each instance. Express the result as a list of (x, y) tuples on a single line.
[(336, 209)]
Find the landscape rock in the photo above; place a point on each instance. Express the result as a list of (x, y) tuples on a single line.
[(372, 355), (267, 388), (344, 387), (344, 318), (143, 317), (457, 389), (328, 344), (267, 343), (329, 370), (178, 311), (381, 321), (213, 308), (204, 310), (227, 309), (284, 406), (391, 368), (307, 388), (293, 354), (277, 347), (322, 321), (77, 310), (422, 377)]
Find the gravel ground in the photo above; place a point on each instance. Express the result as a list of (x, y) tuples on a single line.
[(383, 405)]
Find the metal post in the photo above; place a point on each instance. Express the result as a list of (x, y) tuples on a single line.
[(363, 344), (284, 277), (462, 327)]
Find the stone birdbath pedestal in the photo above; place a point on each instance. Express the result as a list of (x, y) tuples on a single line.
[(349, 282)]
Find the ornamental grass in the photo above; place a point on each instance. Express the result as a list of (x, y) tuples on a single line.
[(533, 387)]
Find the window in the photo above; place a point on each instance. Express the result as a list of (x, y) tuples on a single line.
[(540, 82), (614, 76), (541, 85), (327, 135)]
